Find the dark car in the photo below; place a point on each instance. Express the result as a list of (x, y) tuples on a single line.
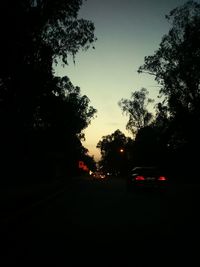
[(147, 178)]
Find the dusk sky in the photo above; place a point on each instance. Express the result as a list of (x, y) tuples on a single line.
[(127, 31)]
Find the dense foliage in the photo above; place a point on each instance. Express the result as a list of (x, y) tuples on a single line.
[(41, 116), (170, 138), (115, 153), (176, 67)]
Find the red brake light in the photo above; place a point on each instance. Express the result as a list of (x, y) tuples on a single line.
[(162, 178), (139, 178)]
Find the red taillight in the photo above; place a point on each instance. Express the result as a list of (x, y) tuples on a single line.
[(139, 178), (162, 178)]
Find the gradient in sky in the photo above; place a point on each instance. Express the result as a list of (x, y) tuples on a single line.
[(127, 31)]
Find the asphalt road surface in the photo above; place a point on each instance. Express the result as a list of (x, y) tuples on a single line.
[(99, 223)]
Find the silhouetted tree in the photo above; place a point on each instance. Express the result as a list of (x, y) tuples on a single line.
[(34, 34), (90, 162), (176, 67), (176, 63), (114, 152), (136, 109), (62, 126)]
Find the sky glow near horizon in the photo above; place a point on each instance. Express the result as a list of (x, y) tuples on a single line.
[(127, 31)]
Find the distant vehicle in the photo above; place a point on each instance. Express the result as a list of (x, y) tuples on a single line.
[(146, 178), (98, 175)]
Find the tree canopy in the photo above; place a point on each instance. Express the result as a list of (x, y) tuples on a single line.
[(136, 109), (171, 137), (114, 152), (176, 63), (35, 106), (176, 67)]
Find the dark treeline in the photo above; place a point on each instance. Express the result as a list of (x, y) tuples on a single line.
[(114, 151), (169, 138), (41, 116)]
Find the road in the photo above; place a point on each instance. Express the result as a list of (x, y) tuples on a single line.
[(99, 223)]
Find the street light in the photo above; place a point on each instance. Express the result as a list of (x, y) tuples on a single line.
[(121, 150)]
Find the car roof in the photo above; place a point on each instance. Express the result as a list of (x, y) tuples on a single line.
[(145, 168)]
